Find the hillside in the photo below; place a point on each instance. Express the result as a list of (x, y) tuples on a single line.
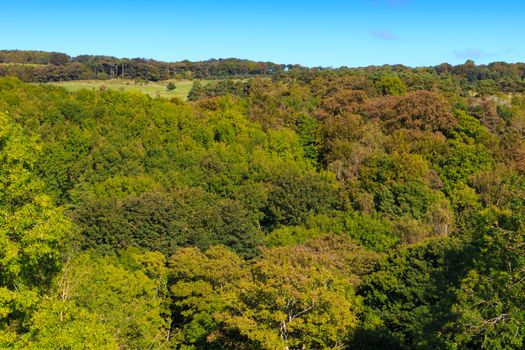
[(41, 66), (279, 207)]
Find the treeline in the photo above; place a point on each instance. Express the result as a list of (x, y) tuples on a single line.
[(466, 80), (38, 66), (314, 209)]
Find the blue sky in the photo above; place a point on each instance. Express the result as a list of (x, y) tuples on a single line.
[(312, 33)]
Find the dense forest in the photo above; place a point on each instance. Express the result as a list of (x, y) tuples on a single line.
[(300, 208)]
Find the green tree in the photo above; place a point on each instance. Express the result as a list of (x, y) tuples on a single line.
[(171, 86), (33, 231), (294, 299), (409, 296), (391, 85), (490, 299), (105, 303), (164, 221), (202, 284), (196, 91), (294, 196)]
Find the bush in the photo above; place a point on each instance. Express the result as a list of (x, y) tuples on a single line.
[(171, 86)]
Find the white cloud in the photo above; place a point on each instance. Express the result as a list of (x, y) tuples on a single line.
[(386, 35), (471, 53)]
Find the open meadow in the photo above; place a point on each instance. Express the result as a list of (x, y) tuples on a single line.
[(154, 89)]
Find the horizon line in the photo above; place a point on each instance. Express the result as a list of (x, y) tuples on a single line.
[(263, 61)]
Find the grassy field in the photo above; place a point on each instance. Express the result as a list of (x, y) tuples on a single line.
[(154, 89), (22, 64)]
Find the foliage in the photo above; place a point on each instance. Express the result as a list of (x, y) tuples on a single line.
[(291, 297), (171, 86), (489, 299), (32, 231), (105, 303), (280, 207), (391, 86), (409, 296)]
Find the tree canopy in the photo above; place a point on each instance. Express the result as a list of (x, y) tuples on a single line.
[(279, 207)]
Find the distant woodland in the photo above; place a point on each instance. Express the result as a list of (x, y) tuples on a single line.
[(279, 207), (40, 66)]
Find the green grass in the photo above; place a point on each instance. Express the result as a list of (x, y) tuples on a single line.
[(22, 64), (154, 89)]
